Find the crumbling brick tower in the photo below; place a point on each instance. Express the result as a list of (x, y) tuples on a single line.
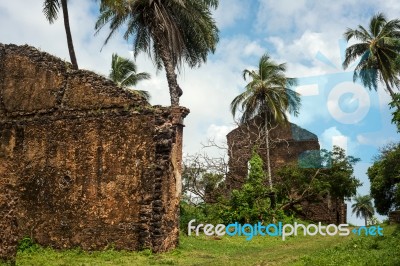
[(288, 142), (83, 162)]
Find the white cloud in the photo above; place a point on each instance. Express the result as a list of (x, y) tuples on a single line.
[(311, 54), (340, 141), (308, 90), (376, 139), (278, 15), (218, 133), (229, 12), (362, 139), (208, 92), (230, 51), (332, 136), (290, 18), (253, 48)]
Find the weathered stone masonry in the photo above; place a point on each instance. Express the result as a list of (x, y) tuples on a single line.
[(82, 162)]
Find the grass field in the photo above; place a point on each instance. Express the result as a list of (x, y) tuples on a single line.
[(202, 250)]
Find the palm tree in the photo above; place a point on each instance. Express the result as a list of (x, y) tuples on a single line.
[(363, 207), (378, 50), (267, 95), (170, 31), (123, 73), (50, 10)]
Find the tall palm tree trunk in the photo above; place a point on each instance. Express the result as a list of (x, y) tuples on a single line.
[(366, 220), (174, 90), (268, 152), (269, 172), (69, 36)]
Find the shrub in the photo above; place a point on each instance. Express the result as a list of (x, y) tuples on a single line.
[(27, 244)]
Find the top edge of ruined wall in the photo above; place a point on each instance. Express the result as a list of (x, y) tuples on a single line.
[(288, 131), (32, 82)]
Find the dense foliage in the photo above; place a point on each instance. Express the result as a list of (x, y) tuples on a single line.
[(203, 178), (328, 174), (317, 175), (396, 112), (250, 203), (384, 176)]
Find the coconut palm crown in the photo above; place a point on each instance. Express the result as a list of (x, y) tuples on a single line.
[(124, 73), (268, 93), (363, 207), (170, 31), (378, 52)]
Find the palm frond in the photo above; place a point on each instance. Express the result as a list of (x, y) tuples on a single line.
[(50, 10), (185, 28), (378, 50), (267, 93), (355, 51), (123, 72), (363, 207), (377, 22)]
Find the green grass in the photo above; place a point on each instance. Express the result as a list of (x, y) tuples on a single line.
[(382, 250), (202, 250)]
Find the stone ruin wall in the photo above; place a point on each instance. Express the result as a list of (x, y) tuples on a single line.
[(285, 149), (82, 162), (394, 217)]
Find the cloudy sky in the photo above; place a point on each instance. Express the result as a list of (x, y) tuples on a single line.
[(305, 34)]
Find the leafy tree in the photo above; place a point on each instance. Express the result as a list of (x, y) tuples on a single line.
[(50, 10), (378, 50), (267, 95), (170, 31), (341, 170), (204, 186), (363, 207), (373, 220), (396, 113), (251, 202), (124, 74), (328, 173), (384, 176), (203, 178)]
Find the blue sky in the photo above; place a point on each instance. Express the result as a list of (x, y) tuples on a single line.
[(304, 34)]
